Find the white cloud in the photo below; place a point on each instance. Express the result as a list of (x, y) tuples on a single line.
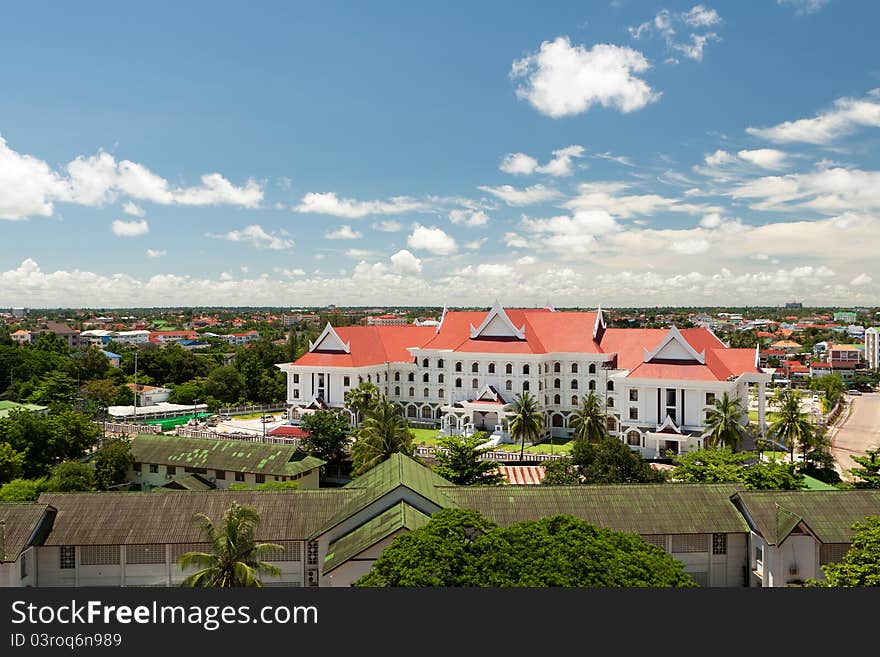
[(620, 159), (666, 24), (824, 190), (526, 260), (804, 6), (694, 49), (845, 117), (389, 226), (606, 196), (133, 210), (476, 244), (516, 241), (361, 253), (861, 279), (518, 163), (471, 218), (404, 262), (343, 233), (718, 158), (329, 203), (27, 185), (155, 253), (258, 237), (526, 196), (431, 239), (690, 247), (766, 158), (570, 234), (712, 220), (130, 228), (700, 16), (216, 190), (559, 165), (563, 80)]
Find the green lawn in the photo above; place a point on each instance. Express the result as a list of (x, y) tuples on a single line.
[(769, 416), (814, 484), (560, 446), (426, 436)]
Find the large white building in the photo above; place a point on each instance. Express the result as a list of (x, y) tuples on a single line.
[(872, 348), (461, 374)]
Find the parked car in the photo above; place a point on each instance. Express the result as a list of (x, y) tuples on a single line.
[(854, 392), (267, 418), (224, 418)]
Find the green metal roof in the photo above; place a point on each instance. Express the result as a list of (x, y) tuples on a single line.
[(7, 406), (828, 514), (187, 482), (399, 516), (233, 455), (634, 508)]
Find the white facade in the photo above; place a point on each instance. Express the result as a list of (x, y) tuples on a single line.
[(132, 337), (872, 348)]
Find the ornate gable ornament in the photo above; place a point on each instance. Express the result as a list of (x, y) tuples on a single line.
[(329, 340), (674, 347), (600, 326), (497, 325), (442, 317)]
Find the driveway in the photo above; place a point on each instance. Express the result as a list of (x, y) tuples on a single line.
[(860, 432)]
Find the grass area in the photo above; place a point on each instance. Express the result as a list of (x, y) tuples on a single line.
[(812, 483), (255, 416), (559, 446), (769, 416), (426, 436)]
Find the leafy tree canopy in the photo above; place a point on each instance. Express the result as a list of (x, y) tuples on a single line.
[(71, 477), (112, 463), (860, 566), (328, 434), (459, 461), (718, 465)]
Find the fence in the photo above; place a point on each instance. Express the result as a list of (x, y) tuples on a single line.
[(186, 432), (130, 429), (244, 410), (499, 455)]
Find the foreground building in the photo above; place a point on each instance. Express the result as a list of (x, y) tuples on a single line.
[(461, 374), (724, 536)]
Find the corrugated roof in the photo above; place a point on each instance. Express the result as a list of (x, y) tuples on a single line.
[(636, 508), (234, 455), (187, 482), (139, 518), (20, 520), (830, 515), (400, 516)]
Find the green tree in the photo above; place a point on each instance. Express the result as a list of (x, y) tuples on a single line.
[(724, 420), (89, 364), (361, 399), (459, 461), (589, 419), (791, 426), (101, 392), (719, 465), (528, 420), (71, 477), (48, 439), (22, 490), (383, 432), (461, 548), (860, 566), (869, 472), (235, 559), (226, 384), (187, 393), (55, 389), (609, 461), (833, 388), (112, 463), (11, 463), (561, 472), (328, 434)]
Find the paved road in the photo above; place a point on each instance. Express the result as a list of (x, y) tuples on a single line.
[(860, 432)]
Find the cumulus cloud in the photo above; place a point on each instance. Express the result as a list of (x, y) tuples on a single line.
[(258, 237), (525, 196), (861, 279), (844, 117), (610, 197), (431, 239), (564, 80), (133, 210), (343, 233), (518, 163), (404, 262), (766, 158), (471, 218), (390, 226), (130, 228), (526, 260), (156, 253), (824, 190), (330, 203), (559, 165), (476, 244), (804, 6), (690, 247), (667, 23)]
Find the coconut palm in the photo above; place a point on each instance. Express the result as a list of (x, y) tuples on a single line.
[(235, 559), (724, 420), (792, 426), (528, 420), (359, 400), (383, 432), (589, 419)]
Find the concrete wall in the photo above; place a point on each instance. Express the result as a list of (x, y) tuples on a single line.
[(359, 565), (147, 479)]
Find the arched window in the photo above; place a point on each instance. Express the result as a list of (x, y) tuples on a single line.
[(426, 412), (458, 383), (411, 411), (440, 363), (574, 384), (546, 400), (426, 378), (611, 423), (592, 385), (491, 368), (397, 376), (611, 385), (475, 384), (540, 385), (412, 392), (557, 383), (475, 367), (360, 380), (440, 378), (397, 391), (574, 400), (592, 368), (574, 368), (557, 368), (558, 420), (525, 386), (369, 378), (508, 369), (411, 376), (557, 399), (458, 366), (526, 368), (426, 393), (441, 393), (611, 402), (633, 438), (508, 385), (425, 362)]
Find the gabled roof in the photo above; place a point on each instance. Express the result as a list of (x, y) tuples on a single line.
[(829, 515), (20, 522), (369, 345), (329, 340), (400, 516), (674, 347), (187, 482), (497, 324)]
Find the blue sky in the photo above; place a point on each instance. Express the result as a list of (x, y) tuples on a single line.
[(583, 153)]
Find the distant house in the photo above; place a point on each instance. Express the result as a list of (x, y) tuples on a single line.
[(238, 339), (115, 359), (149, 395), (387, 319), (22, 336), (167, 337), (137, 336)]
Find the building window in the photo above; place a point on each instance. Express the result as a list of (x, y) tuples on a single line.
[(397, 391), (412, 392), (425, 362), (670, 396), (296, 393), (426, 393), (154, 468), (220, 474), (397, 376), (411, 377), (557, 399), (710, 399), (100, 555), (440, 393), (411, 411), (611, 423), (611, 385), (491, 368), (440, 378), (832, 552), (68, 556), (574, 368), (574, 400), (508, 385), (610, 403), (458, 383), (525, 369), (458, 366), (633, 438), (719, 543), (475, 367), (525, 386), (557, 368), (508, 369), (633, 394), (440, 363), (239, 476), (574, 384), (145, 554), (759, 554), (260, 478), (426, 378), (475, 384), (689, 543), (591, 385), (346, 381), (633, 413), (171, 470), (296, 378), (292, 551), (136, 467), (592, 368)]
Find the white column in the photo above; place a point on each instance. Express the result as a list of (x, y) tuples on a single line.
[(761, 397)]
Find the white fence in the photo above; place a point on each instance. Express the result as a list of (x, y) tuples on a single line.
[(244, 410), (499, 455), (130, 429), (185, 432)]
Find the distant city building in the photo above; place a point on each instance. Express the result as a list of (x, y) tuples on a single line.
[(386, 320), (846, 316), (237, 339), (132, 337), (149, 395), (114, 359), (19, 312), (794, 305), (296, 318)]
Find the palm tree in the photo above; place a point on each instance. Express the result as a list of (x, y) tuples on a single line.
[(589, 419), (791, 425), (724, 421), (528, 420), (361, 399), (235, 559), (383, 432)]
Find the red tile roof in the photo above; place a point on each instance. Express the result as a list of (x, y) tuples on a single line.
[(289, 431), (371, 345)]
